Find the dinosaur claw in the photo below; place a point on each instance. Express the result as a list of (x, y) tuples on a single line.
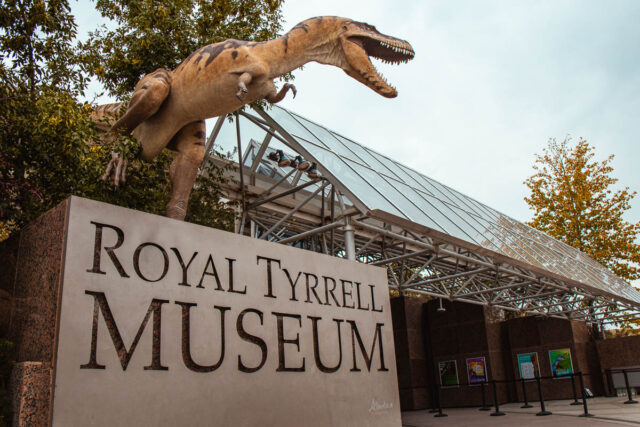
[(294, 90), (115, 171), (239, 96)]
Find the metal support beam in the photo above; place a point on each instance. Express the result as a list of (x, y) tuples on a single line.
[(349, 240), (453, 276), (401, 257), (212, 139), (260, 154), (259, 202), (312, 232), (293, 211)]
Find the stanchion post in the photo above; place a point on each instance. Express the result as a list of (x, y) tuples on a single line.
[(626, 382), (524, 395), (584, 398), (543, 410), (484, 406), (439, 414), (611, 390), (497, 412), (434, 403), (573, 386)]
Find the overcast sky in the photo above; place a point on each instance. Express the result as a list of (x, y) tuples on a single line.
[(491, 82)]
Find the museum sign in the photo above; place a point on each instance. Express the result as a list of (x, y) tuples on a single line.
[(169, 323)]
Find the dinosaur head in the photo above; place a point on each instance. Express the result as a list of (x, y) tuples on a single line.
[(360, 41)]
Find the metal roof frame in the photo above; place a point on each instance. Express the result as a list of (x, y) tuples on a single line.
[(490, 259)]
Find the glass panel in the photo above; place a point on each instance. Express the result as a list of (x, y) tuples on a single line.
[(468, 222), (398, 170), (291, 125), (419, 202), (381, 183), (330, 141), (460, 200), (248, 160), (392, 194), (366, 157), (249, 131), (365, 192)]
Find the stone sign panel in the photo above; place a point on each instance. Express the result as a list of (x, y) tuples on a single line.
[(167, 323)]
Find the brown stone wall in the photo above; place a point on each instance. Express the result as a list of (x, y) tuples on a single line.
[(30, 289), (411, 357), (533, 334), (8, 255), (464, 331), (459, 333), (616, 353)]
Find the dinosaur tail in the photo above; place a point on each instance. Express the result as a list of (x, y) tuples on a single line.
[(104, 116)]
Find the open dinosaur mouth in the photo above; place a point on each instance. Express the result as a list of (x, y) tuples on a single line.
[(389, 50)]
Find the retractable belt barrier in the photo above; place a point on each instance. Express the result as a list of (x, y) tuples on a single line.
[(538, 379)]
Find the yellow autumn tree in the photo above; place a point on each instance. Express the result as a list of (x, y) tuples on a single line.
[(573, 200)]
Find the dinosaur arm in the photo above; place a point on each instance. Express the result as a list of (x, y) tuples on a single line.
[(276, 96), (248, 74)]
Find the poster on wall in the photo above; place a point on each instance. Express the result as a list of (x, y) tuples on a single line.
[(560, 361), (448, 373), (476, 370), (528, 366)]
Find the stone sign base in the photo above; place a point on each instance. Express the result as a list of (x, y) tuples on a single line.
[(125, 318), (30, 279)]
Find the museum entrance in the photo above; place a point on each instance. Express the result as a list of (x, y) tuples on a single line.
[(476, 295)]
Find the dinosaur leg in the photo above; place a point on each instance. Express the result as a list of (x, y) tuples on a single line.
[(189, 147), (276, 96), (148, 96)]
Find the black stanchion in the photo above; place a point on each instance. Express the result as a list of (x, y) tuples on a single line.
[(543, 410), (584, 398), (524, 395), (484, 398), (434, 403), (497, 412), (575, 395), (626, 382), (439, 414), (611, 390)]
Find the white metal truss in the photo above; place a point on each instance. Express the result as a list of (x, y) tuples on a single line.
[(283, 205)]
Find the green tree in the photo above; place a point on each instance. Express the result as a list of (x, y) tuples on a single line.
[(37, 37), (573, 200), (145, 35), (44, 130)]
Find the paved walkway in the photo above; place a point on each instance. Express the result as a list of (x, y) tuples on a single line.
[(607, 411)]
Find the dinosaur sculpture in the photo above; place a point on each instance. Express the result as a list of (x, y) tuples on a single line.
[(168, 108)]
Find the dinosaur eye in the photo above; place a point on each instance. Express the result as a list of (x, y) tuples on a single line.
[(344, 28)]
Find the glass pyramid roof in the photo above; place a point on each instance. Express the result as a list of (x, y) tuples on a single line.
[(380, 183)]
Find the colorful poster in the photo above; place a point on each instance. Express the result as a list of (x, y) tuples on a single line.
[(528, 366), (476, 370), (560, 361), (448, 373)]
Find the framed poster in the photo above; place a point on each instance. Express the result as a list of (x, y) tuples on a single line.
[(476, 370), (528, 366), (560, 361), (448, 373)]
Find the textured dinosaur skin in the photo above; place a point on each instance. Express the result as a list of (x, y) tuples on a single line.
[(168, 108)]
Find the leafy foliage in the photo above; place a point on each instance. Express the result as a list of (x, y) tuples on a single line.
[(44, 130), (37, 38), (573, 201), (161, 34)]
